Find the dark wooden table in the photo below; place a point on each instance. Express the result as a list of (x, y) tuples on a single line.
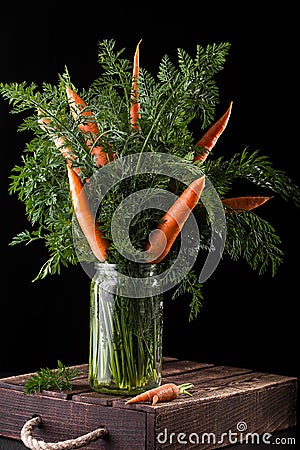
[(229, 406)]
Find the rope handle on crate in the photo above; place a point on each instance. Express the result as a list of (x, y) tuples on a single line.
[(35, 444)]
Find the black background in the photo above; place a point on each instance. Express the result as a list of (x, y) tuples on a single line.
[(246, 320)]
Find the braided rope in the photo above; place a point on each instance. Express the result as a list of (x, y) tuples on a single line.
[(34, 444)]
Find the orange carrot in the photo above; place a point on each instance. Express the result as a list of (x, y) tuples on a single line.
[(58, 141), (77, 106), (209, 140), (98, 244), (163, 393), (135, 106), (163, 237), (86, 220), (244, 203)]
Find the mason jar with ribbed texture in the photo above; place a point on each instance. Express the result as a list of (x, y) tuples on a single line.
[(125, 335)]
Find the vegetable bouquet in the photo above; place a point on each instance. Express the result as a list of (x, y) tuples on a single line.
[(128, 111)]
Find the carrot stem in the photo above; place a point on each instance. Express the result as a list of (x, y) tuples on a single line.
[(133, 355), (183, 388)]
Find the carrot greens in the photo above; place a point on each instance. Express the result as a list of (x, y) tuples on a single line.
[(45, 379), (101, 121)]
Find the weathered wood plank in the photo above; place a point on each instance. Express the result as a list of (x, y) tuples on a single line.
[(168, 359), (96, 398), (181, 367), (15, 382), (151, 442), (218, 388), (208, 378), (65, 419), (211, 421), (206, 373)]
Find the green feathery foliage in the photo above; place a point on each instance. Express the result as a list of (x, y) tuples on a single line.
[(45, 379), (180, 93)]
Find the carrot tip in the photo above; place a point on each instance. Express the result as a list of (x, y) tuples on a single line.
[(69, 92)]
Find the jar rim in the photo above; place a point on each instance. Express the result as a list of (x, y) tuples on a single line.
[(113, 266), (104, 264)]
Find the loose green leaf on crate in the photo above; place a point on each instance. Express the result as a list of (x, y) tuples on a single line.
[(57, 379)]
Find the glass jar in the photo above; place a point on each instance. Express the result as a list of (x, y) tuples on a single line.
[(125, 335)]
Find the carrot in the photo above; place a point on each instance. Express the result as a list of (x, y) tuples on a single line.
[(209, 140), (163, 237), (244, 203), (86, 220), (58, 141), (135, 106), (163, 393), (77, 106), (97, 243)]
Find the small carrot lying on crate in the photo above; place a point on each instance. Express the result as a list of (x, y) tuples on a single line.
[(77, 106), (163, 237), (164, 393), (209, 140), (135, 106), (244, 203)]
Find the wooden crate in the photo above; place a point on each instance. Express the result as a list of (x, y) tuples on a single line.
[(228, 405)]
